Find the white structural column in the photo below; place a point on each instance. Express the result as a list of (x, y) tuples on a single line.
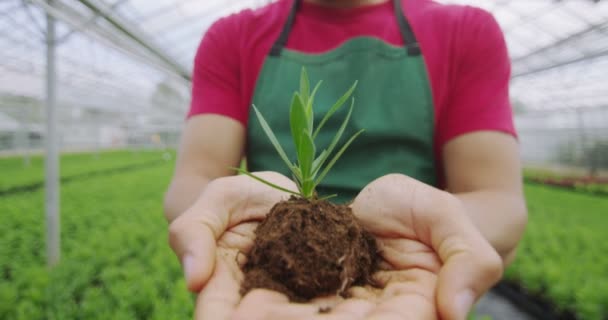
[(52, 150), (23, 143)]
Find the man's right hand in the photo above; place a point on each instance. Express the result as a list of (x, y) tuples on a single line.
[(209, 236)]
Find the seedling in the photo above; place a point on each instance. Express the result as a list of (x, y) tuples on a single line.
[(309, 170), (307, 247)]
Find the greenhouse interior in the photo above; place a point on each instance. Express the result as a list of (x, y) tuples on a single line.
[(94, 99)]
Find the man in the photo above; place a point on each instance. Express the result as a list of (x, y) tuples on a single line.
[(435, 177)]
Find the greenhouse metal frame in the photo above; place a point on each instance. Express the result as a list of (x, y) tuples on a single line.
[(130, 61)]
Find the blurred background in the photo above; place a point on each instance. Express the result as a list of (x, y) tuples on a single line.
[(104, 86)]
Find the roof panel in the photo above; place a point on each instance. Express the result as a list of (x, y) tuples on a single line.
[(540, 34)]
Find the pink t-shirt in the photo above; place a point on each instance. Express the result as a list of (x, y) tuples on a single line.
[(463, 47)]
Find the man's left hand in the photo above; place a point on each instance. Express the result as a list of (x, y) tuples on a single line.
[(437, 262)]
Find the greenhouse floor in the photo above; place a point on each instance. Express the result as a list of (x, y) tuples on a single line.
[(497, 307)]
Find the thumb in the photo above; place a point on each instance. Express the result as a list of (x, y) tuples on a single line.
[(224, 203), (192, 236), (470, 265)]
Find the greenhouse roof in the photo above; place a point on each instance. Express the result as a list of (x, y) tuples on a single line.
[(114, 54)]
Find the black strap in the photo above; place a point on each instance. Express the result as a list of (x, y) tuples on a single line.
[(409, 39), (282, 40)]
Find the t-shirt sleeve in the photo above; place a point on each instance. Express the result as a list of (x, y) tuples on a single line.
[(479, 81), (216, 85)]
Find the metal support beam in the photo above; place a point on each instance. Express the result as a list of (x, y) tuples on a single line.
[(33, 20), (562, 64), (52, 186), (87, 23), (131, 33), (108, 37), (23, 144), (561, 42)]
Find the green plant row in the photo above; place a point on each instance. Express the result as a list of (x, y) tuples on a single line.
[(591, 185), (594, 188), (563, 254), (115, 264), (13, 172)]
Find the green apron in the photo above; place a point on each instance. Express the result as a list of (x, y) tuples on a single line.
[(393, 103)]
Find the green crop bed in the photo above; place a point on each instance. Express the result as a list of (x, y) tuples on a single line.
[(115, 264), (563, 256), (577, 182), (13, 172)]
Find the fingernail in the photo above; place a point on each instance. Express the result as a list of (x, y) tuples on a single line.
[(464, 303), (188, 265)]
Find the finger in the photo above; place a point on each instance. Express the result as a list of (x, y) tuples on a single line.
[(225, 202), (194, 244), (471, 268), (470, 265), (404, 254), (367, 293), (261, 304), (385, 198), (408, 294), (221, 294), (251, 199), (386, 278), (240, 237)]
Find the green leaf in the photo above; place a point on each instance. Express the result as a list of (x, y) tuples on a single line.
[(309, 110), (308, 188), (311, 99), (306, 155), (297, 181), (304, 86), (336, 157), (272, 138), (328, 197), (336, 138), (317, 163), (335, 108), (295, 170), (265, 181), (297, 121)]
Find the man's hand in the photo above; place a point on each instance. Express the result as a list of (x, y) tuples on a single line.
[(208, 237), (212, 239), (427, 235)]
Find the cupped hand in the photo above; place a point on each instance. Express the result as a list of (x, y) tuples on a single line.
[(211, 237), (433, 253)]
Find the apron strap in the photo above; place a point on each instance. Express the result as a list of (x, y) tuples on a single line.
[(278, 45), (409, 39)]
